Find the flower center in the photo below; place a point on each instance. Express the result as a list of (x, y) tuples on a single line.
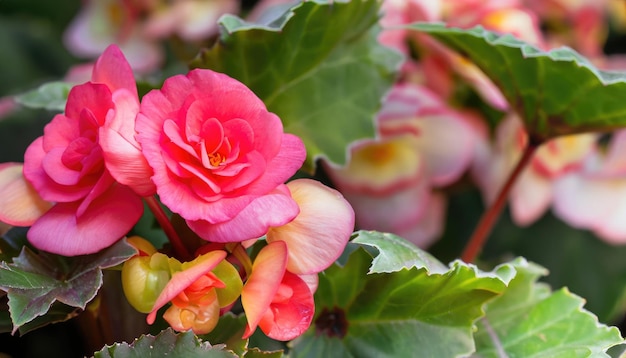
[(216, 159)]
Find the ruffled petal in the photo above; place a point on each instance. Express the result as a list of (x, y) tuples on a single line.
[(113, 70), (106, 220), (259, 291), (291, 316), (320, 232), (254, 220), (121, 151), (183, 279), (530, 198), (20, 205)]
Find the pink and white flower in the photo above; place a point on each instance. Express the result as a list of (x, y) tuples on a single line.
[(533, 193), (592, 197), (101, 23), (423, 144)]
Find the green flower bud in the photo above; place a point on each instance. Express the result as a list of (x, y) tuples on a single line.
[(144, 277)]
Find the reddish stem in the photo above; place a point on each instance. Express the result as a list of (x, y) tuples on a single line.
[(489, 218), (179, 248)]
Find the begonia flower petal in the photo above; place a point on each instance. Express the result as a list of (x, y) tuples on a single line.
[(198, 319), (530, 198), (121, 151), (114, 71), (289, 318), (429, 227), (92, 97), (311, 280), (180, 280), (47, 188), (105, 221), (20, 205), (380, 166), (274, 209), (268, 269), (390, 212), (584, 203), (446, 142), (320, 232), (96, 26)]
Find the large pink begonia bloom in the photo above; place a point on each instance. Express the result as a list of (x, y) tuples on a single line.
[(219, 157), (389, 181), (77, 161)]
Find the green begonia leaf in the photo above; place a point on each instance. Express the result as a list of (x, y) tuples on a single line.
[(557, 92), (229, 330), (51, 96), (165, 344), (395, 253), (11, 243), (319, 68), (257, 353), (398, 314), (35, 281), (530, 321)]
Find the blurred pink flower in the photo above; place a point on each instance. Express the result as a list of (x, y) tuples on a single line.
[(403, 12), (77, 161), (422, 144), (580, 24), (219, 157), (103, 22), (593, 198), (532, 194), (191, 20)]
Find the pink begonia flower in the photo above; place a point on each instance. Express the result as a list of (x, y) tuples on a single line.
[(580, 24), (593, 198), (79, 158), (505, 17), (532, 194), (440, 66), (191, 20), (320, 232), (103, 22), (403, 12), (423, 144), (219, 157), (192, 291), (20, 205), (276, 300)]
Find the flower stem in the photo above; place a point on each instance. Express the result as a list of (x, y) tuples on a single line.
[(240, 254), (489, 218), (179, 248)]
